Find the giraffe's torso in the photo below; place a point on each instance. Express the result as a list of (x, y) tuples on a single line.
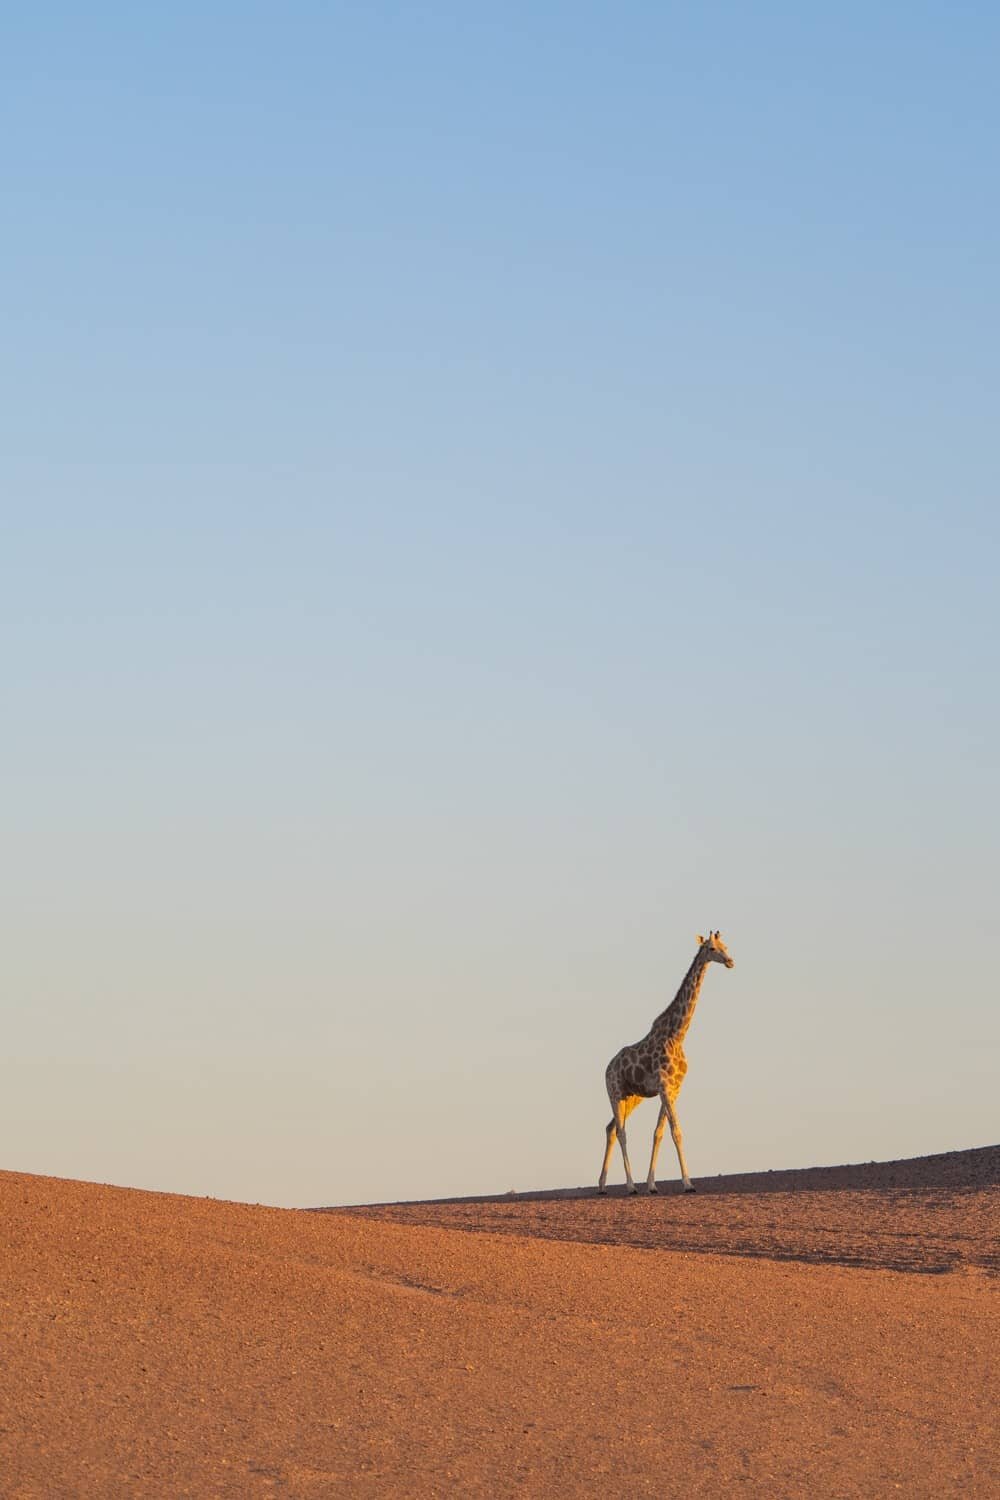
[(648, 1067)]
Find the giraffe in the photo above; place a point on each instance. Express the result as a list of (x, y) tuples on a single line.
[(656, 1066)]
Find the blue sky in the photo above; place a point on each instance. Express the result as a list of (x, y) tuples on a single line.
[(489, 492)]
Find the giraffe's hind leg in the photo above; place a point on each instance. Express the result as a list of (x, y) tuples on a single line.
[(616, 1127), (611, 1132)]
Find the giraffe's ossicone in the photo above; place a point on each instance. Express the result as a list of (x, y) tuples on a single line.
[(655, 1067)]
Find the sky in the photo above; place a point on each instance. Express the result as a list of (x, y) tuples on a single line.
[(489, 492)]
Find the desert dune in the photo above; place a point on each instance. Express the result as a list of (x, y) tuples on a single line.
[(824, 1333)]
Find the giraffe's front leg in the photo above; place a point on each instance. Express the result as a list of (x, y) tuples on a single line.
[(657, 1138), (667, 1108)]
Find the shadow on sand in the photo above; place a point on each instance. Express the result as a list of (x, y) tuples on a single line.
[(928, 1215), (951, 1171)]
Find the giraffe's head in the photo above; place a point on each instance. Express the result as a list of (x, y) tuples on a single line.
[(714, 949)]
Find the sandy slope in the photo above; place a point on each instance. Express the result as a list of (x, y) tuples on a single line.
[(155, 1345)]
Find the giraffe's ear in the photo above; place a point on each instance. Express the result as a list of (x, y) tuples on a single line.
[(698, 939)]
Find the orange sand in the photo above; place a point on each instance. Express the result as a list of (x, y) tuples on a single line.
[(157, 1345)]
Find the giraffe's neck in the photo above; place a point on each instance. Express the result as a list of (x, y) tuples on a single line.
[(675, 1020)]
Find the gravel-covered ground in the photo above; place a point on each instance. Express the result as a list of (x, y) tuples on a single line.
[(933, 1213)]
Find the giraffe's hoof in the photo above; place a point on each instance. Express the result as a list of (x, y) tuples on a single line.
[(689, 1187), (653, 1190), (633, 1191), (602, 1192)]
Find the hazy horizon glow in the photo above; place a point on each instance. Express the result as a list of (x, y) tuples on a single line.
[(486, 497)]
